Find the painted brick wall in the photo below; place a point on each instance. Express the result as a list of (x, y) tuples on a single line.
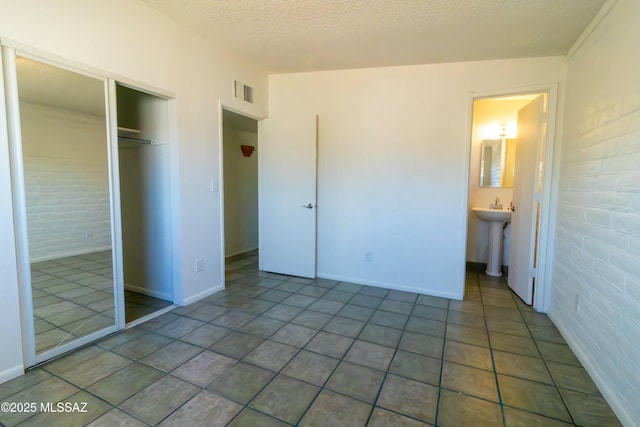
[(596, 278), (67, 183)]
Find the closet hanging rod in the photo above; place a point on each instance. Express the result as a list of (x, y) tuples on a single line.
[(132, 139)]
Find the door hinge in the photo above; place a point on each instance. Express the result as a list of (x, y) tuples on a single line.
[(532, 272)]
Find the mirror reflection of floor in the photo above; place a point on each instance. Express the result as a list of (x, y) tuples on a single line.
[(73, 297)]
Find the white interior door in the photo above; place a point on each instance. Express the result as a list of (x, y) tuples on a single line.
[(287, 210), (526, 197)]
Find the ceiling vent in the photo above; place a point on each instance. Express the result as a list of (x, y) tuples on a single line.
[(243, 91)]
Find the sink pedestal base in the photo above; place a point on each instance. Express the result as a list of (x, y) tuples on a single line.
[(494, 264)]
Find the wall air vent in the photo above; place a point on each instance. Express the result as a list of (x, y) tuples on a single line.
[(243, 91)]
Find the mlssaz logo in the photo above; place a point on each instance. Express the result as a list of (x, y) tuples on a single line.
[(78, 407)]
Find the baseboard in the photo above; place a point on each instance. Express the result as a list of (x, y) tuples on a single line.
[(150, 292), (393, 286), (481, 267), (228, 258), (11, 373), (476, 266), (610, 395), (199, 296), (69, 254)]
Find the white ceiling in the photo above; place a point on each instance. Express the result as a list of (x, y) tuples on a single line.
[(309, 35)]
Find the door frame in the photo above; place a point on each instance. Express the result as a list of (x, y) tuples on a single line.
[(550, 180), (221, 107)]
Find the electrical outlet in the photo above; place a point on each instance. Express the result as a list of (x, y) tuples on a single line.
[(88, 233), (368, 256), (199, 265), (576, 303), (215, 186)]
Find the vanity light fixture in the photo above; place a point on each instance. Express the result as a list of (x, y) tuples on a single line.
[(504, 130)]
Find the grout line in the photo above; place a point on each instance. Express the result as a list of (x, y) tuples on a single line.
[(493, 361), (386, 372), (520, 309), (444, 345), (544, 361), (352, 343), (246, 405), (235, 291)]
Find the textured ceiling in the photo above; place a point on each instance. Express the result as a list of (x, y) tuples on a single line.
[(308, 35)]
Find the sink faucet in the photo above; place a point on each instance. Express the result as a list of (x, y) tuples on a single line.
[(496, 205)]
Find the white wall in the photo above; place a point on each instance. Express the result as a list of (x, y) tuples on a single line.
[(393, 162), (240, 192), (145, 203), (485, 114), (66, 181), (597, 246), (130, 39)]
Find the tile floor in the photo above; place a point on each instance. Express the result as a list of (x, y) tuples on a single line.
[(73, 297), (274, 350)]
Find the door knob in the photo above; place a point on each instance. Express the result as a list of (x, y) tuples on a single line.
[(308, 206)]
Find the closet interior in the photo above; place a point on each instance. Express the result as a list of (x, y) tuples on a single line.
[(145, 203)]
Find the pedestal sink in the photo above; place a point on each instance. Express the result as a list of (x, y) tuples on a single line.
[(496, 219)]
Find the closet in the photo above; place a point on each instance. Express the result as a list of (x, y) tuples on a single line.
[(145, 203), (90, 183)]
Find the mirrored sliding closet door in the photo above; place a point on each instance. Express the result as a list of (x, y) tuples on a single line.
[(61, 162)]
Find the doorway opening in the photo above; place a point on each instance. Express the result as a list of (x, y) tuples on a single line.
[(509, 180), (240, 192), (145, 203)]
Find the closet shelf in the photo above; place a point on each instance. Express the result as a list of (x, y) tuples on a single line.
[(131, 135), (136, 140), (127, 130)]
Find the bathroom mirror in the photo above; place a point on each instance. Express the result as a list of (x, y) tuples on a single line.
[(66, 174), (497, 164)]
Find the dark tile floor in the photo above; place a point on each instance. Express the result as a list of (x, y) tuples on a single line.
[(73, 297), (275, 350)]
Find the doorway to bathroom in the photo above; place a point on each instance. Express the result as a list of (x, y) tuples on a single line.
[(509, 188)]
